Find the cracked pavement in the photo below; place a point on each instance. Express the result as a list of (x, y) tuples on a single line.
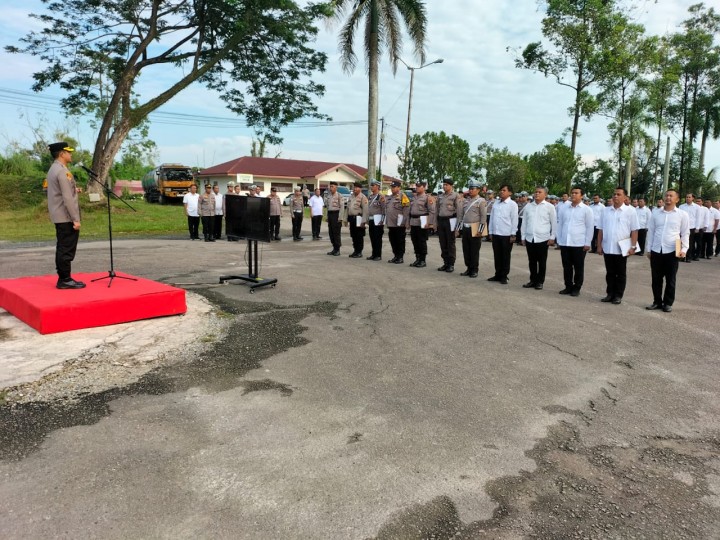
[(360, 399)]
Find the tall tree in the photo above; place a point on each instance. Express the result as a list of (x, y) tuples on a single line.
[(254, 53), (554, 166), (500, 166), (431, 156), (581, 35), (382, 20)]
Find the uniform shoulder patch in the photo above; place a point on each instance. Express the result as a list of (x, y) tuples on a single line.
[(69, 175)]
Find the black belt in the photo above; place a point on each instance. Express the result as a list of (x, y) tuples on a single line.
[(333, 211), (447, 217), (418, 215)]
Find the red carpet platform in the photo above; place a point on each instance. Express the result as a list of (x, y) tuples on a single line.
[(36, 301)]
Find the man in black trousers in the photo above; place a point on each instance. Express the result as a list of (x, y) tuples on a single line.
[(503, 227)]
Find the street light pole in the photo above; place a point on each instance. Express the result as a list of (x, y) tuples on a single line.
[(412, 79)]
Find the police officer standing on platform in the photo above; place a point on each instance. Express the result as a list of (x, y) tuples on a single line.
[(397, 212), (421, 206), (207, 213), (64, 210), (334, 205), (376, 207), (357, 208), (449, 206), (472, 223)]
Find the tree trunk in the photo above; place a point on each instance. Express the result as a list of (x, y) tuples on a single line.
[(373, 61), (576, 119), (703, 141)]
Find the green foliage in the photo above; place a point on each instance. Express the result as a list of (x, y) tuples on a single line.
[(499, 166), (554, 167), (599, 178), (431, 156), (254, 53)]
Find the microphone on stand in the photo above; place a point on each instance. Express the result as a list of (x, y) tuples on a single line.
[(89, 171)]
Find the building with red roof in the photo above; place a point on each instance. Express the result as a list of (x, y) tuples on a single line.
[(283, 174)]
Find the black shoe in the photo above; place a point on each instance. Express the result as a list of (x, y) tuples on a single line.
[(333, 252), (640, 253), (565, 291), (465, 273), (503, 281), (336, 253), (473, 274), (318, 238), (399, 261), (442, 268), (415, 263), (575, 292), (421, 264), (300, 237), (212, 239), (653, 307), (370, 258), (393, 260), (696, 258), (667, 309), (608, 298), (208, 240), (687, 260), (616, 301), (538, 286), (528, 285), (376, 258), (494, 278), (70, 284), (450, 268), (355, 256)]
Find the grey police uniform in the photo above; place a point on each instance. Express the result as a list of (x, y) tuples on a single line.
[(64, 209), (207, 215), (297, 206), (394, 209), (357, 206), (376, 207), (474, 211), (334, 205), (421, 205), (448, 206)]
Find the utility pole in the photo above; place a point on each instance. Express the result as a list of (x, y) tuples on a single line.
[(382, 143)]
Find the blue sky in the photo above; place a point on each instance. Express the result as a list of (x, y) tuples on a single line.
[(476, 93)]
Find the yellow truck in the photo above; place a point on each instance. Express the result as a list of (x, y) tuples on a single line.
[(167, 183)]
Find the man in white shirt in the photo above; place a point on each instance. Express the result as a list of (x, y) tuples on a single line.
[(666, 227), (219, 210), (711, 227), (643, 214), (537, 232), (503, 226), (191, 202), (316, 204), (691, 209), (618, 225), (597, 208), (575, 234), (716, 206)]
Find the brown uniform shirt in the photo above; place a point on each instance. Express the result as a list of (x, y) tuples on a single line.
[(475, 211), (358, 206), (207, 204), (297, 203), (333, 202), (422, 205), (62, 197), (275, 205), (449, 205), (394, 208)]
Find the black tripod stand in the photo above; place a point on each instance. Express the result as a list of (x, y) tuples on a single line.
[(108, 193)]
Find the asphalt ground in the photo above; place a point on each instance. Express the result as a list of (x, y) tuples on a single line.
[(363, 399)]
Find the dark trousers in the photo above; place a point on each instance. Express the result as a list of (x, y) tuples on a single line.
[(471, 249), (193, 226), (333, 219), (615, 275), (691, 245), (642, 235), (502, 248), (717, 242), (207, 223), (315, 223), (518, 236), (397, 241), (376, 234), (357, 234), (274, 227), (447, 241), (297, 219), (419, 237), (663, 266), (217, 226), (593, 243), (707, 250), (696, 245), (67, 240), (573, 262), (537, 260)]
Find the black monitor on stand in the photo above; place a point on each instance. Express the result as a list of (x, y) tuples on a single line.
[(249, 218)]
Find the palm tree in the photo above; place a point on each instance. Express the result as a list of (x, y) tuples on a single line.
[(382, 20)]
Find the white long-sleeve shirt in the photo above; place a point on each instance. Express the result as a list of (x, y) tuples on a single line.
[(539, 222), (692, 211), (597, 210), (316, 204), (504, 218), (576, 226), (617, 224), (643, 215), (665, 228), (713, 216)]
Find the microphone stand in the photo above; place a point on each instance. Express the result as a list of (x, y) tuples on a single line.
[(108, 193)]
